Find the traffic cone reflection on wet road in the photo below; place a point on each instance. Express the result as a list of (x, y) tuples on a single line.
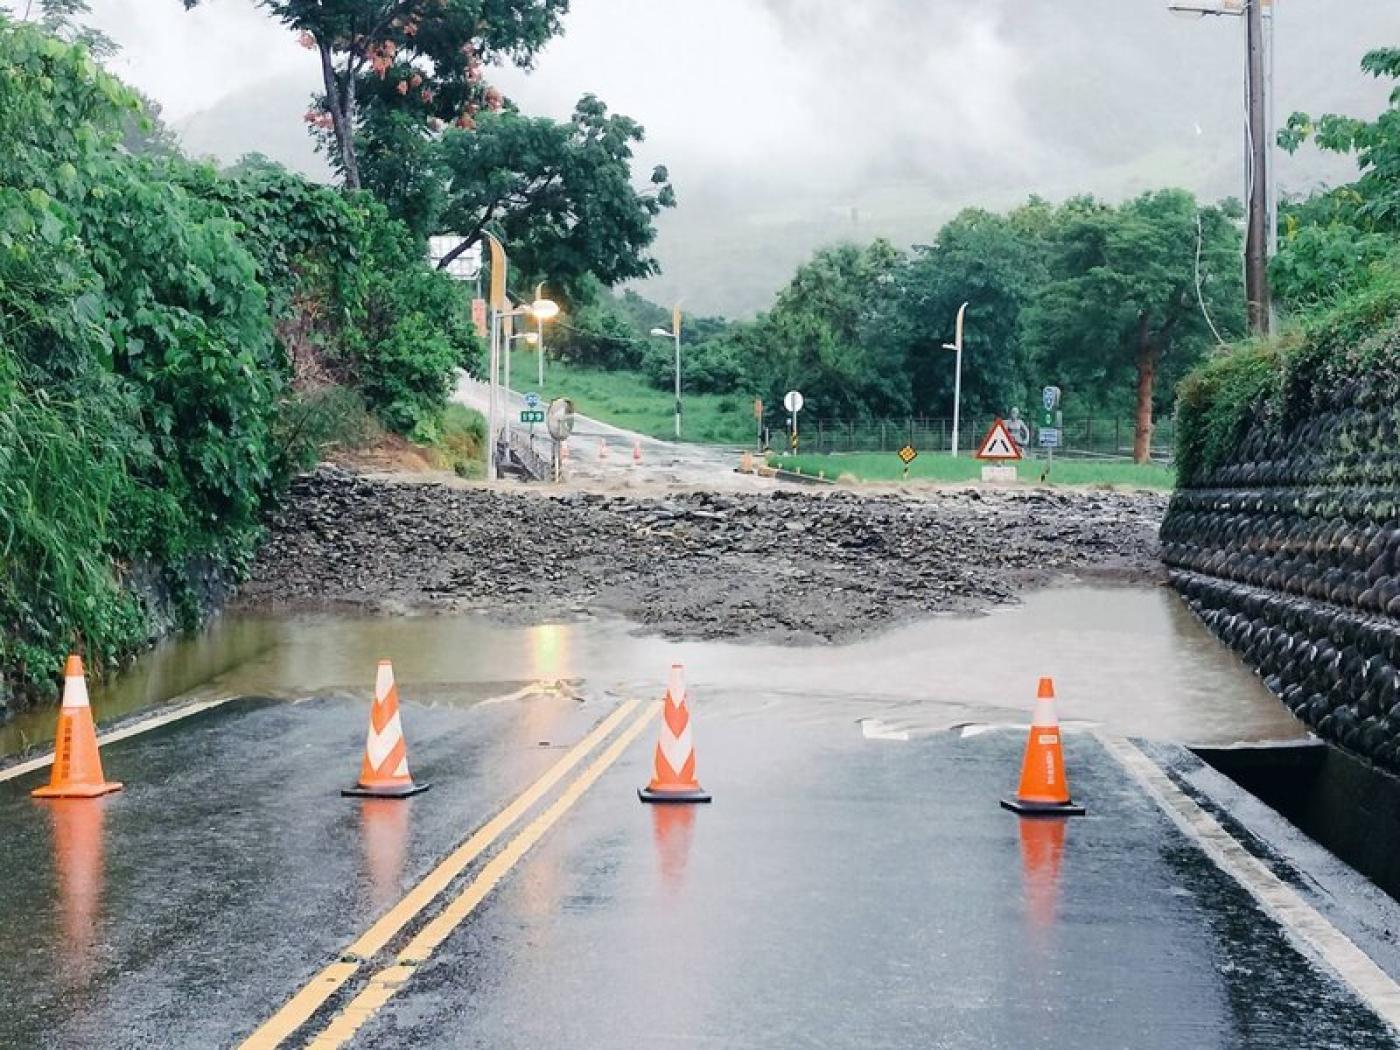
[(77, 766), (1043, 791), (1042, 848), (384, 841), (672, 829), (79, 870), (384, 770), (674, 780)]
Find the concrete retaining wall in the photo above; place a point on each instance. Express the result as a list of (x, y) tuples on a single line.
[(1290, 553)]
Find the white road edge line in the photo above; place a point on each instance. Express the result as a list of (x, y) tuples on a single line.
[(125, 732), (1299, 919)]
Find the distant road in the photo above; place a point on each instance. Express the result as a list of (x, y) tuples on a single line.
[(662, 461)]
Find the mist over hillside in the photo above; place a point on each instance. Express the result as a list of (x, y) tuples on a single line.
[(818, 122)]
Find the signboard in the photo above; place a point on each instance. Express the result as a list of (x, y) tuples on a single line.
[(1049, 437), (465, 266), (532, 400), (999, 445), (1020, 431), (479, 316), (793, 401), (532, 415), (1050, 398), (907, 454), (999, 474), (560, 418)]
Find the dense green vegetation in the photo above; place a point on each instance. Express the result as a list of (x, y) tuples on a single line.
[(1112, 303), (886, 466), (175, 340), (154, 315), (1338, 276)]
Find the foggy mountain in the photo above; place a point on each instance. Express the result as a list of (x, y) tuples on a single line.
[(796, 123)]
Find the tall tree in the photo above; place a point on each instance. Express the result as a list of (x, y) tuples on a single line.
[(1135, 289), (993, 265), (422, 58), (824, 335), (559, 194)]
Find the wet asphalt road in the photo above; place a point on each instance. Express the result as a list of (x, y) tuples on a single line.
[(840, 892)]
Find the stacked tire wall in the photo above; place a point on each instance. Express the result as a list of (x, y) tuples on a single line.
[(1289, 551)]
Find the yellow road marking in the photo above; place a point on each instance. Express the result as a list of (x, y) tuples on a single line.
[(386, 983), (144, 726), (298, 1009)]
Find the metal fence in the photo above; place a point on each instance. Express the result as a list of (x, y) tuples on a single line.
[(1108, 438)]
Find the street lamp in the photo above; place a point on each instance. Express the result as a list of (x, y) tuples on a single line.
[(674, 333), (956, 346), (543, 310), (1262, 228)]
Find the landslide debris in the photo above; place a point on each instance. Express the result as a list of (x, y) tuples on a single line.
[(781, 564)]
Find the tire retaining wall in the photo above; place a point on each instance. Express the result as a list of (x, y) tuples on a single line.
[(1290, 553)]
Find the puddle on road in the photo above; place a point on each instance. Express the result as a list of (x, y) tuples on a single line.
[(1127, 657)]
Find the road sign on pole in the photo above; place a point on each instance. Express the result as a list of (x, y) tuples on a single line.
[(793, 402)]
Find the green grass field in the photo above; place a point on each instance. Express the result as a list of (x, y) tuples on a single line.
[(886, 466), (625, 399)]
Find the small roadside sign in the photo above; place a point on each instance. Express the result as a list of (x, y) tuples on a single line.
[(999, 445), (1050, 398), (908, 454), (1049, 437), (532, 401), (532, 415), (793, 401)]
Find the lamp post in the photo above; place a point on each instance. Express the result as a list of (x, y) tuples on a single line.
[(675, 334), (956, 346), (1261, 229), (544, 310)]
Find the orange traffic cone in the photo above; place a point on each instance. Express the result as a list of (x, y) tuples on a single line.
[(636, 453), (675, 751), (384, 771), (77, 767), (564, 451), (1043, 790), (602, 449)]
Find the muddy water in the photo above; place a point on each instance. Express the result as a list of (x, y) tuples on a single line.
[(1128, 658)]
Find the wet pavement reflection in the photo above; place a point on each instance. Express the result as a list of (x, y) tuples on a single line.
[(80, 875), (1130, 658), (844, 889)]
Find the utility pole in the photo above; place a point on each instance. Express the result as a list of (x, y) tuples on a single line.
[(1261, 194), (1256, 249)]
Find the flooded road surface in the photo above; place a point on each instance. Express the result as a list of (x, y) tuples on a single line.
[(1129, 658), (845, 888)]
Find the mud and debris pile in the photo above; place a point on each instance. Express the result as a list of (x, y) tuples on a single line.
[(777, 564), (1290, 552)]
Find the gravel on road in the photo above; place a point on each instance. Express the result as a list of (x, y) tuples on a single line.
[(784, 564)]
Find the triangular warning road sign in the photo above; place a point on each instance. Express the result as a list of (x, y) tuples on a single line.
[(999, 444)]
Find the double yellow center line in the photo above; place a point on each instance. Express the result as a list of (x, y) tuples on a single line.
[(382, 986)]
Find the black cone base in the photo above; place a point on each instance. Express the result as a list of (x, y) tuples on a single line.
[(403, 792), (1042, 809), (648, 795)]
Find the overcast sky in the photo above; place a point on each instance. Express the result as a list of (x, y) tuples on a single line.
[(789, 122)]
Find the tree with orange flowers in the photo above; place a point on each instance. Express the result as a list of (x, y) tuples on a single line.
[(421, 60)]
